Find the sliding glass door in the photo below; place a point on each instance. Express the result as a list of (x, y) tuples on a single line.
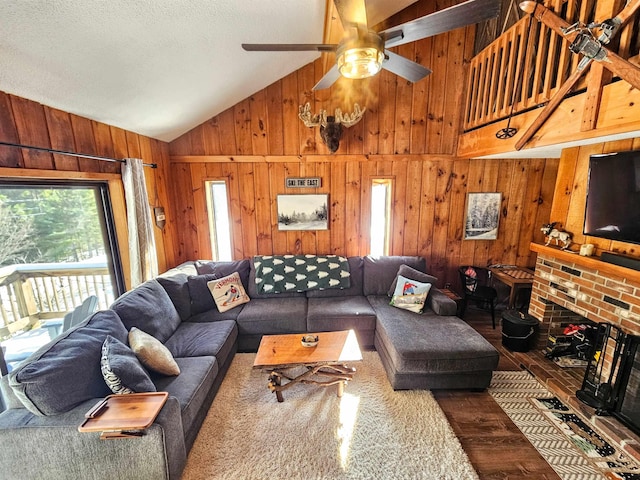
[(57, 248)]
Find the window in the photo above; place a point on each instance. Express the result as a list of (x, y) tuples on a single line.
[(380, 215), (219, 220), (57, 248)]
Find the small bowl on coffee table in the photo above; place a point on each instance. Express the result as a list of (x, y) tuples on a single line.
[(309, 340)]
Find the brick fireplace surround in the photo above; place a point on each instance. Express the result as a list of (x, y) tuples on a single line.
[(566, 288)]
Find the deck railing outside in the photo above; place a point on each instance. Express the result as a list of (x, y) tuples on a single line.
[(527, 64), (30, 293)]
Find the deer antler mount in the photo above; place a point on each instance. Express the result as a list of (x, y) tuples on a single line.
[(331, 126)]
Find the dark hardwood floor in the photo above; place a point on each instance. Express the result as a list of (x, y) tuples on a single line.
[(495, 446)]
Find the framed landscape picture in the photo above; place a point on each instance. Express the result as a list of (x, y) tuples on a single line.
[(483, 215), (303, 212)]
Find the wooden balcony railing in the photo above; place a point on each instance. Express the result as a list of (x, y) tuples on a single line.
[(30, 293), (526, 65)]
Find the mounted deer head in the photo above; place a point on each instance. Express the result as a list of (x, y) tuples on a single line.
[(331, 127)]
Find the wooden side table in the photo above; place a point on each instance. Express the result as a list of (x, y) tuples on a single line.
[(124, 416)]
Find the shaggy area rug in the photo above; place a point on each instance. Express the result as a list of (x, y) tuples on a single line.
[(569, 443), (371, 432)]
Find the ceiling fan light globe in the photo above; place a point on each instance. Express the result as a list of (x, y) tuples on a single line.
[(360, 62)]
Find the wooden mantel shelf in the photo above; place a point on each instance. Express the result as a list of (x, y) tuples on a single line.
[(590, 262)]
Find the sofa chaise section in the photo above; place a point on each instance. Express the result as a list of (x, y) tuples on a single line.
[(428, 351)]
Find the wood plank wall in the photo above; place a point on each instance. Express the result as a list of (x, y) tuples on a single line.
[(569, 204), (26, 122), (428, 206), (409, 133)]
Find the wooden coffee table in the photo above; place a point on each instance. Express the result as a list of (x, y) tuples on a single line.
[(325, 364)]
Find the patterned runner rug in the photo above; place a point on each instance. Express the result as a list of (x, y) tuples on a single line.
[(564, 439)]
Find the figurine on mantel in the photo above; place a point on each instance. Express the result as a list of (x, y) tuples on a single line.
[(552, 233)]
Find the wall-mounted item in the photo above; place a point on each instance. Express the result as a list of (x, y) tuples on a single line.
[(311, 182), (331, 126), (303, 212), (483, 216), (160, 217)]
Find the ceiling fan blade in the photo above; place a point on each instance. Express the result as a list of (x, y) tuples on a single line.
[(328, 79), (461, 15), (351, 12), (403, 67), (289, 47)]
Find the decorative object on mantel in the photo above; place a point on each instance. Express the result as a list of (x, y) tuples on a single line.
[(552, 233), (586, 250), (331, 126)]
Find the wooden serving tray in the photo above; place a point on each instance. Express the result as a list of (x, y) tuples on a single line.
[(117, 414)]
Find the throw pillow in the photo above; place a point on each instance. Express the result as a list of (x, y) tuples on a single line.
[(151, 353), (122, 370), (228, 292), (413, 274), (410, 294)]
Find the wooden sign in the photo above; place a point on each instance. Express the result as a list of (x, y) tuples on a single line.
[(312, 182)]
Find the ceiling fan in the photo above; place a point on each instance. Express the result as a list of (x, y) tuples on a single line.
[(363, 53)]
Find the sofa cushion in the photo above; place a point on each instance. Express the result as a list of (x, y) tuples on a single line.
[(355, 268), (380, 272), (224, 269), (228, 292), (66, 371), (412, 274), (149, 308), (151, 353), (178, 290), (342, 313), (191, 388), (121, 369), (275, 315), (204, 339)]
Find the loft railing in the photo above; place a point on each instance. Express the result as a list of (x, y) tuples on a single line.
[(30, 293), (526, 65)]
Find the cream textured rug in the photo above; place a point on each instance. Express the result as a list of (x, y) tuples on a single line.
[(371, 432)]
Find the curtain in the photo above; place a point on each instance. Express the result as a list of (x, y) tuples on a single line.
[(142, 245)]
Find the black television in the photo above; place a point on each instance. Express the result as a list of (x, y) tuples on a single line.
[(613, 197)]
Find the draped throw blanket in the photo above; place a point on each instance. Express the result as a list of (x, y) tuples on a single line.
[(299, 273), (142, 246)]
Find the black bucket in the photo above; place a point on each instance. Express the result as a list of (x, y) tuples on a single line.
[(519, 331)]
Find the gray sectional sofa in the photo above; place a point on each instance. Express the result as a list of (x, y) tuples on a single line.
[(48, 395)]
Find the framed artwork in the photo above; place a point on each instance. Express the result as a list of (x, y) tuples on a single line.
[(483, 216), (303, 212)]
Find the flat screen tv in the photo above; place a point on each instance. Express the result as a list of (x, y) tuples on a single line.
[(613, 197)]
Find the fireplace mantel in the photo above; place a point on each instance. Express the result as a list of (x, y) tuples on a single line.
[(589, 262)]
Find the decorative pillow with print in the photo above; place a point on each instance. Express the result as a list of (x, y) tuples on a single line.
[(121, 369), (410, 294), (228, 292)]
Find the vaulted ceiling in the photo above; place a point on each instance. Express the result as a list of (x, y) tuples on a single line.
[(155, 67)]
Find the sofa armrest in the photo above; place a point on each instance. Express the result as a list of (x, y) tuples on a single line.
[(32, 445), (440, 303)]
